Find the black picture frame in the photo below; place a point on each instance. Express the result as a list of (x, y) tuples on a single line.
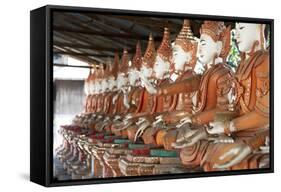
[(41, 96)]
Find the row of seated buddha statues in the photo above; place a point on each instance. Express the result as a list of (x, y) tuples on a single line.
[(156, 115)]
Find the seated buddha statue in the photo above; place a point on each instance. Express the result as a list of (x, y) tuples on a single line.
[(122, 84), (212, 95), (141, 98), (112, 84), (163, 105), (169, 102), (106, 95), (106, 89), (162, 70), (104, 140), (134, 91), (153, 75), (97, 99), (250, 129), (183, 63), (130, 99), (100, 89), (111, 90), (89, 89)]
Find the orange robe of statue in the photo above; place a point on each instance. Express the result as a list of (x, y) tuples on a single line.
[(162, 104), (252, 99), (212, 97), (182, 104)]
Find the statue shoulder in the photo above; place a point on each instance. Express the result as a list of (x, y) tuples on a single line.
[(262, 84), (262, 64), (187, 74), (221, 73), (224, 80)]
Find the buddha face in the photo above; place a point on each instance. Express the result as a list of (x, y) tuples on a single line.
[(133, 77), (121, 81), (111, 83), (147, 71), (180, 57), (208, 49), (246, 34), (161, 67), (104, 85)]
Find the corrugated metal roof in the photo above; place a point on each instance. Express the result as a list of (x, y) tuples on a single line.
[(94, 38)]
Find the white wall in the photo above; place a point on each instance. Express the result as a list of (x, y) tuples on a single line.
[(14, 126)]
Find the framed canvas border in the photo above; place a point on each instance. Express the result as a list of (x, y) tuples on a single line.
[(41, 95)]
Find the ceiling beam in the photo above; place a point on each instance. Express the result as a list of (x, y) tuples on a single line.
[(76, 39), (90, 25), (105, 34), (75, 66), (86, 59), (83, 54), (102, 19), (148, 21), (91, 47)]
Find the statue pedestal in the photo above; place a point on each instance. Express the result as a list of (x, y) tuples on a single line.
[(119, 148), (157, 161)]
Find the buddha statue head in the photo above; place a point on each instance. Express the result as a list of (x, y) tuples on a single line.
[(184, 49), (249, 37), (164, 55), (136, 63), (122, 79), (149, 59), (214, 42)]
